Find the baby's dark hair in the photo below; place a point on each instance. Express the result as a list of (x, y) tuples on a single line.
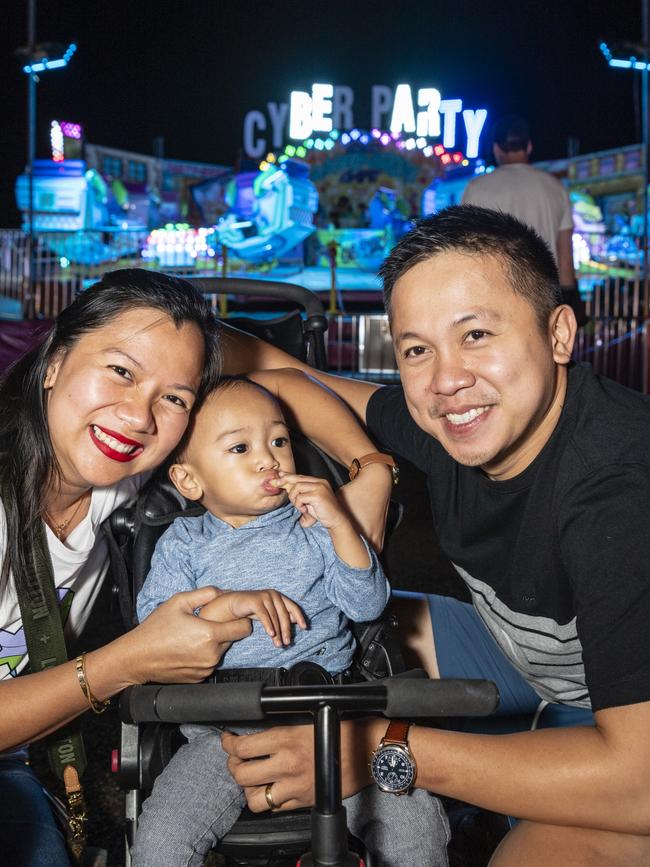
[(225, 381)]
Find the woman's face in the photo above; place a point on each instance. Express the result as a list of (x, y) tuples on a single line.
[(119, 400)]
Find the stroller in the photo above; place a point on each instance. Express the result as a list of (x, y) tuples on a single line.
[(150, 714)]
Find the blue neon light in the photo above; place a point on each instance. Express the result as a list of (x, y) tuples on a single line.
[(622, 63), (632, 63), (58, 63)]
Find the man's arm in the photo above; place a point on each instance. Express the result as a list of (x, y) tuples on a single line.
[(591, 777), (311, 398), (587, 777), (243, 353), (328, 422), (564, 244)]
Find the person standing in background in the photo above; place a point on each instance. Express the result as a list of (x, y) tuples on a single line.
[(533, 196)]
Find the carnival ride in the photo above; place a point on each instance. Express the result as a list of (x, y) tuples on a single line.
[(271, 212), (77, 214), (350, 196)]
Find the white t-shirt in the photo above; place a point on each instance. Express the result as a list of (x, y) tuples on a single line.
[(79, 564), (533, 196)]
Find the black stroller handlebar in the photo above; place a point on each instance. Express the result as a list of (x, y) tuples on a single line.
[(307, 299), (229, 702), (315, 324), (410, 696)]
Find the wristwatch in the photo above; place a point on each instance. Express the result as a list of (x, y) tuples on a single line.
[(373, 458), (392, 766)]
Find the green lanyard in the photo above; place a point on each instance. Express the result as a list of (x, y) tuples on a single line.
[(41, 617)]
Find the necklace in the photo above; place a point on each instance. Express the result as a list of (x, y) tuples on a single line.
[(59, 528)]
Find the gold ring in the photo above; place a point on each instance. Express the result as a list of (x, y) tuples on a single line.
[(269, 798)]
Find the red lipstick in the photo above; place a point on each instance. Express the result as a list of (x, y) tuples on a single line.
[(113, 454)]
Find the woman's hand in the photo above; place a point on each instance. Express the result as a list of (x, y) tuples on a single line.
[(284, 756), (366, 499), (173, 645)]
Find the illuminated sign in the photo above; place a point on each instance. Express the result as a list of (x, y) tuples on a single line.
[(61, 130), (328, 107)]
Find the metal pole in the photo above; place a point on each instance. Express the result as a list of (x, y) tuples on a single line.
[(645, 119), (28, 299)]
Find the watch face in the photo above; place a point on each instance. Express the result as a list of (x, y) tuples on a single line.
[(393, 769)]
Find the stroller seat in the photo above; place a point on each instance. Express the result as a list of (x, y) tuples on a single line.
[(132, 534)]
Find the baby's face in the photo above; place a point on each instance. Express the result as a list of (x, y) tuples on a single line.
[(239, 443)]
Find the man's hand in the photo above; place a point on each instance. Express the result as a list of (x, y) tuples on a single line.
[(284, 756), (274, 611)]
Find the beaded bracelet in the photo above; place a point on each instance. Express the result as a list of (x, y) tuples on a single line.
[(95, 705)]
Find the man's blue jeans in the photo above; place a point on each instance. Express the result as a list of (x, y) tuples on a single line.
[(465, 648), (29, 833)]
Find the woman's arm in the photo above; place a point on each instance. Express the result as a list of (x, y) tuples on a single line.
[(171, 646)]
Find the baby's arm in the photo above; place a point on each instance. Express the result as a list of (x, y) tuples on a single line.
[(315, 499), (275, 611), (353, 576)]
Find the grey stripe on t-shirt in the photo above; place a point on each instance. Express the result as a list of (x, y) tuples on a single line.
[(546, 653)]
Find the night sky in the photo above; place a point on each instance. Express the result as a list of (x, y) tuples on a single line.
[(190, 71)]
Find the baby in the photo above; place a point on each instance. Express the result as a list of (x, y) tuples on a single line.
[(284, 553)]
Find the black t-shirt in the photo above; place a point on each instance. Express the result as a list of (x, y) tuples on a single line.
[(556, 559)]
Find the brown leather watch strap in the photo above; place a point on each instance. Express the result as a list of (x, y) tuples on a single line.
[(397, 732), (373, 458)]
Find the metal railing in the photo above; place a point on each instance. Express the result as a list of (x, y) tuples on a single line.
[(614, 341), (67, 262)]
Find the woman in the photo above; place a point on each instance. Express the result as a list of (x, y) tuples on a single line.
[(84, 418)]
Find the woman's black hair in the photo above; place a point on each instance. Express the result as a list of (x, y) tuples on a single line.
[(30, 465)]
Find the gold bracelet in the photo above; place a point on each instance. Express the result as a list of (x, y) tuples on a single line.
[(95, 705)]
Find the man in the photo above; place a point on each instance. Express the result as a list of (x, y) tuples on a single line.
[(533, 196), (539, 478)]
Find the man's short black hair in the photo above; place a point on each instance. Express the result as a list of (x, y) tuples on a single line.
[(527, 261), (511, 133)]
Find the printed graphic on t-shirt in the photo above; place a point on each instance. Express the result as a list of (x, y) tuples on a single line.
[(13, 647)]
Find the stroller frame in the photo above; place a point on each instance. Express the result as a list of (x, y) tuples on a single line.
[(145, 750)]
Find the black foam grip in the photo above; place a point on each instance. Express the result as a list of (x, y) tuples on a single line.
[(445, 697), (203, 702)]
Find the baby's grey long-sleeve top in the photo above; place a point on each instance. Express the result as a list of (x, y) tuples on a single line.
[(273, 551)]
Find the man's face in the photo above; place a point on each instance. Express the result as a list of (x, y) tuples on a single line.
[(477, 372)]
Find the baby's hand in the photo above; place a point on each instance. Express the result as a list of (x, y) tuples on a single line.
[(315, 499), (274, 611)]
